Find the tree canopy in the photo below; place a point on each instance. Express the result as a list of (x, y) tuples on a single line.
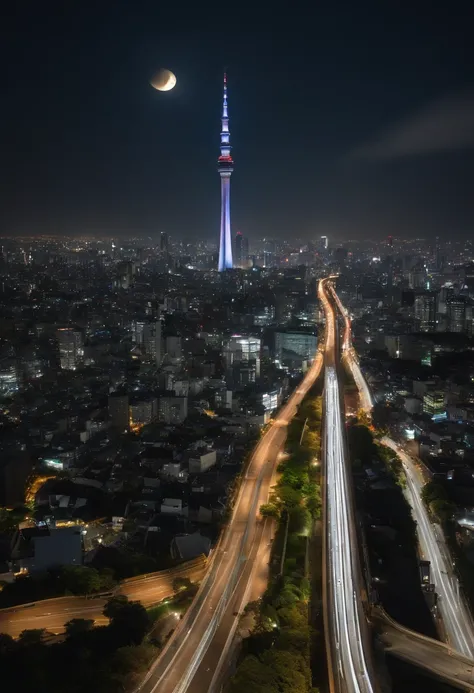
[(79, 579)]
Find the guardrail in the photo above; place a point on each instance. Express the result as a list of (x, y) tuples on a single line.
[(177, 571)]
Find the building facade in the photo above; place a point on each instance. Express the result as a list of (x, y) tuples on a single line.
[(425, 307), (71, 348), (241, 251), (295, 345)]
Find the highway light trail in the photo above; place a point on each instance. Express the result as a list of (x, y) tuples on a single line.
[(456, 618), (455, 614), (194, 656), (351, 357), (345, 611)]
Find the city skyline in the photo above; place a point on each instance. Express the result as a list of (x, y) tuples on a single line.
[(132, 374), (237, 447), (90, 148)]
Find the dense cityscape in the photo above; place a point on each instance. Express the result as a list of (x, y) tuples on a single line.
[(135, 380), (233, 461)]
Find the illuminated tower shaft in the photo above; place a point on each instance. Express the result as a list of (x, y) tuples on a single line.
[(225, 166)]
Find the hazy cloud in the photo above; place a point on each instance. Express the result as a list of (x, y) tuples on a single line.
[(445, 125)]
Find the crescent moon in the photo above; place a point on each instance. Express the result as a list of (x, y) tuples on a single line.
[(164, 80)]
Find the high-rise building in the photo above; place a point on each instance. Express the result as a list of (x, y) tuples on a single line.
[(456, 313), (143, 412), (225, 166), (323, 243), (71, 348), (174, 347), (434, 402), (164, 242), (125, 275), (425, 311), (269, 253), (241, 251), (340, 257), (9, 379), (295, 345), (138, 327), (152, 340), (119, 411), (469, 278), (417, 278), (242, 349), (173, 410), (146, 334)]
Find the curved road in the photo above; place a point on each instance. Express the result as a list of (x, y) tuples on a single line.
[(437, 658), (199, 650), (53, 614), (457, 619)]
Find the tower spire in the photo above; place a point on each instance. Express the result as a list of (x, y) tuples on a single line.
[(225, 167)]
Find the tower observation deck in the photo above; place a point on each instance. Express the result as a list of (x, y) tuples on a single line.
[(225, 166)]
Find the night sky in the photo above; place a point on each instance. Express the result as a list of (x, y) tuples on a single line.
[(354, 120)]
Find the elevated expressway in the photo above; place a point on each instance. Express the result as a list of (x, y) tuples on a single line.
[(199, 650), (454, 661), (348, 641)]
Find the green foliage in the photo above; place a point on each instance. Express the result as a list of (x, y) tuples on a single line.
[(361, 443), (433, 492), (181, 583), (290, 671), (253, 675), (288, 596), (159, 611), (295, 617), (275, 671), (9, 519), (289, 497), (392, 462), (107, 579), (76, 627), (300, 520), (313, 503), (291, 477), (105, 659), (442, 509), (7, 644), (436, 499), (34, 636), (305, 588), (79, 579), (269, 510), (130, 662), (115, 605), (363, 418), (278, 652), (57, 582), (129, 618), (266, 618), (253, 607)]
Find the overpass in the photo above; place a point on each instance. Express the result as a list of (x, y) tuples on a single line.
[(53, 614), (436, 658), (451, 662)]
